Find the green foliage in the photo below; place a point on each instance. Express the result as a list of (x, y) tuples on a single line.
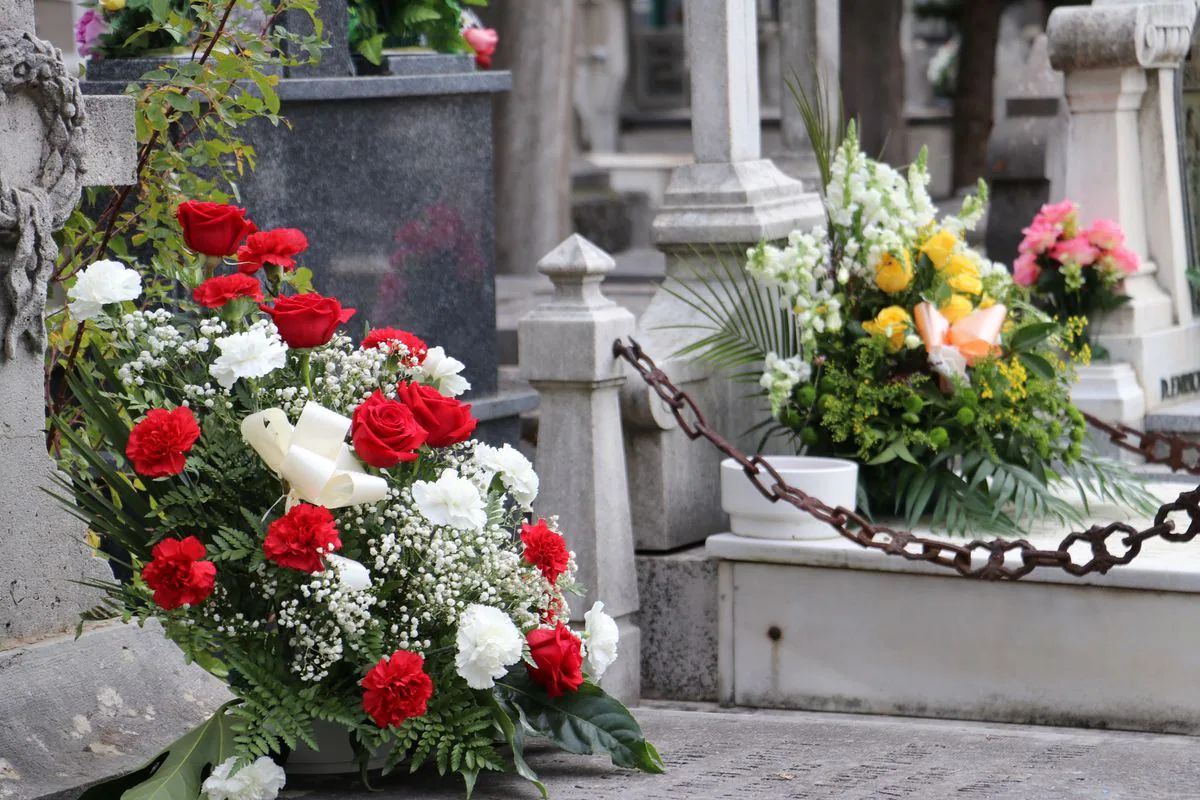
[(436, 24)]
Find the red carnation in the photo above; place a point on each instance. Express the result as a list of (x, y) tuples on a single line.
[(298, 539), (307, 320), (558, 654), (385, 432), (271, 247), (396, 689), (447, 420), (213, 229), (159, 443), (545, 549), (177, 575), (415, 347), (216, 292)]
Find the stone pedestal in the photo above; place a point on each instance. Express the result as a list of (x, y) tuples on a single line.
[(1120, 63), (566, 354)]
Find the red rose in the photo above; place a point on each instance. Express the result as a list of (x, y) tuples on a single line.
[(483, 41), (396, 689), (447, 420), (558, 654), (159, 443), (307, 320), (216, 292), (416, 349), (545, 549), (177, 575), (213, 229), (271, 247), (299, 538), (385, 432)]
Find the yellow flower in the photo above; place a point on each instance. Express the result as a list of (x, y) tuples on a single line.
[(892, 323), (956, 308), (966, 283), (893, 274), (112, 6), (986, 302), (940, 247)]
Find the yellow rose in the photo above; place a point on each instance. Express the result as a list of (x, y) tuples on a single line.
[(894, 274), (893, 324), (963, 275), (112, 6), (986, 302), (940, 247), (956, 308)]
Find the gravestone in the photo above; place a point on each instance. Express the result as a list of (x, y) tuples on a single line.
[(73, 711)]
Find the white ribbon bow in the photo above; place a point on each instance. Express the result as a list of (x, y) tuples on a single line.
[(313, 457)]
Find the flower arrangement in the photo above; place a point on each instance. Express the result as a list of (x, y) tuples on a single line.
[(311, 522), (445, 26), (883, 337), (1073, 272)]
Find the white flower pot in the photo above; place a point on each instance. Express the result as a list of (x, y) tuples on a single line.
[(833, 481), (334, 755)]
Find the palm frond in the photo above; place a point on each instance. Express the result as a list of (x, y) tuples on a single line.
[(825, 126)]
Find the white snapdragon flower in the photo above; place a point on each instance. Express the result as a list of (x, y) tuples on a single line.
[(601, 635), (353, 575), (442, 372), (102, 283), (450, 500), (782, 375), (514, 469), (261, 780), (252, 354), (488, 644)]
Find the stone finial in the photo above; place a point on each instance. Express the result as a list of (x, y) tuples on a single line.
[(1147, 35)]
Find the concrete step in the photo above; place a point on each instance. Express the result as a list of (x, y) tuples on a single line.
[(710, 753)]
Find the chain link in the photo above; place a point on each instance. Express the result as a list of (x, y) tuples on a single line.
[(994, 559)]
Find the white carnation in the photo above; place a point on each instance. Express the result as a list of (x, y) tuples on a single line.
[(442, 372), (102, 283), (261, 780), (514, 469), (601, 634), (353, 575), (488, 644), (450, 500), (253, 354)]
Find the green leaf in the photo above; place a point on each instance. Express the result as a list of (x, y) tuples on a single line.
[(585, 722), (1037, 365), (177, 772), (1030, 335), (514, 734)]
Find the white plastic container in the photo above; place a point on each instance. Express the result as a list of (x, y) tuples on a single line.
[(833, 481)]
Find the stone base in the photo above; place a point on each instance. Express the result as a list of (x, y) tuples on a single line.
[(830, 626), (76, 712), (679, 658), (1167, 362), (1112, 393)]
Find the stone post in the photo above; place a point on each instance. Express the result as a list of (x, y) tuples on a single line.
[(1122, 163), (601, 67), (716, 208), (810, 56), (565, 351)]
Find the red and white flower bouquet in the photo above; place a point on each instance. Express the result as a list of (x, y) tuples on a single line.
[(310, 521)]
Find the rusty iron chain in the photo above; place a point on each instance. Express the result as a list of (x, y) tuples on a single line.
[(991, 559)]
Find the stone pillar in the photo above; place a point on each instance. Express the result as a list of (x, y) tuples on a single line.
[(534, 131), (730, 199), (565, 351), (810, 56), (601, 67), (1122, 162)]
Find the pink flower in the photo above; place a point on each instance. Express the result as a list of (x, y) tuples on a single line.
[(1026, 270), (1126, 259), (483, 41), (1077, 249), (1056, 213), (88, 30), (1039, 237), (1105, 234)]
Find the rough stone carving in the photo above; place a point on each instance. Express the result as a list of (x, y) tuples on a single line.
[(29, 215)]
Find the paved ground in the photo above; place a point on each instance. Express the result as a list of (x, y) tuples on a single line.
[(796, 755)]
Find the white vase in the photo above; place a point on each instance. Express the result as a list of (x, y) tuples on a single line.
[(334, 755), (833, 481)]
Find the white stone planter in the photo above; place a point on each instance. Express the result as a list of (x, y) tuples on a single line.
[(334, 755), (833, 481)]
